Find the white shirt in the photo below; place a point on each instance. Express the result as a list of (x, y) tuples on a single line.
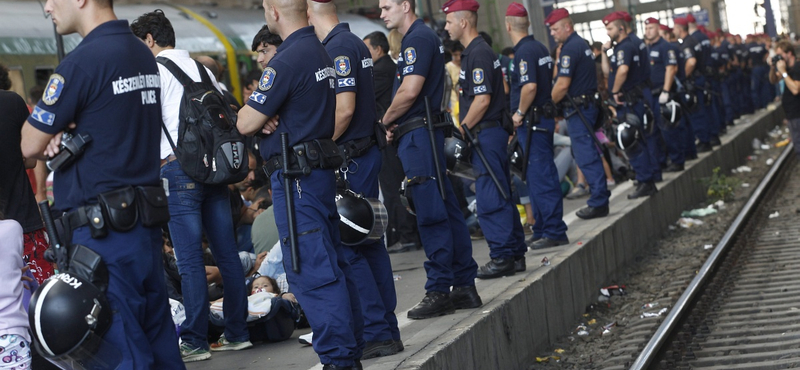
[(172, 93)]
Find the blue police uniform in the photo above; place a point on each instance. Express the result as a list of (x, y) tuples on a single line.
[(109, 86), (576, 63), (499, 218), (689, 148), (533, 64), (298, 86), (442, 228), (641, 159), (726, 86), (703, 82), (654, 140), (698, 121), (748, 104), (759, 79), (714, 79), (372, 268), (663, 54)]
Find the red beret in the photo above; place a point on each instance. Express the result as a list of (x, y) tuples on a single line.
[(516, 9), (456, 5), (623, 16), (651, 20), (681, 21), (555, 16), (627, 17), (664, 27), (690, 18), (322, 1)]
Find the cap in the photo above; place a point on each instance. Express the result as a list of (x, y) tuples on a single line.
[(616, 16), (681, 21), (516, 9), (652, 20), (456, 5), (555, 16), (664, 27), (627, 17), (690, 18)]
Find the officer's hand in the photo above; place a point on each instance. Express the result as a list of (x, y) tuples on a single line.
[(616, 99), (663, 98), (54, 146), (390, 133), (461, 128), (781, 66), (270, 126), (606, 46), (517, 119)]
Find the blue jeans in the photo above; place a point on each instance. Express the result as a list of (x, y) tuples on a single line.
[(195, 207)]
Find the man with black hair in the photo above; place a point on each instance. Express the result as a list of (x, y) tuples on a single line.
[(788, 70), (108, 88), (266, 44), (194, 207)]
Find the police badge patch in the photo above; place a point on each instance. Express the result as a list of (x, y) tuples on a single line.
[(410, 55), (523, 67), (477, 76), (342, 64), (267, 78), (565, 61), (621, 55), (54, 88)]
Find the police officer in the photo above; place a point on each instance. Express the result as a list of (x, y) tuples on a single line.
[(687, 138), (718, 64), (576, 78), (444, 233), (759, 79), (531, 85), (355, 134), (481, 106), (109, 87), (703, 80), (298, 87), (663, 70), (693, 62), (626, 80)]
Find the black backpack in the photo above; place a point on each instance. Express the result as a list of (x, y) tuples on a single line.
[(210, 148)]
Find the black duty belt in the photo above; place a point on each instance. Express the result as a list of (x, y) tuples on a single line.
[(483, 126), (441, 120), (315, 154), (358, 147), (581, 101)]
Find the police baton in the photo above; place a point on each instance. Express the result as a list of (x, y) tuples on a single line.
[(287, 188), (58, 253), (589, 127), (434, 149), (478, 150)]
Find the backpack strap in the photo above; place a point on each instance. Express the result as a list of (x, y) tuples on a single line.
[(176, 71), (203, 73)]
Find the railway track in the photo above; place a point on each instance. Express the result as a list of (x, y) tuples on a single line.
[(742, 309)]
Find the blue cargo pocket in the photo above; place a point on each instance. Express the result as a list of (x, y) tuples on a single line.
[(316, 269)]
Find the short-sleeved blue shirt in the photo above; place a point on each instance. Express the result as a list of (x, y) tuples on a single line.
[(576, 61), (422, 53), (756, 52), (532, 64), (662, 54), (625, 54), (109, 86), (702, 50), (353, 65), (716, 57), (689, 49), (644, 71), (480, 75), (681, 60), (298, 86)]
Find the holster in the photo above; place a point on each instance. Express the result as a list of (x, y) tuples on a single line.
[(319, 153), (87, 264), (152, 204), (119, 208)]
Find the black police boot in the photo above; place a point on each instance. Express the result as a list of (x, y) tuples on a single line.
[(358, 365), (548, 243), (398, 345), (434, 304), (714, 141), (496, 268), (464, 297), (644, 189), (674, 167), (704, 147), (519, 264), (379, 349), (334, 367), (723, 130), (592, 212)]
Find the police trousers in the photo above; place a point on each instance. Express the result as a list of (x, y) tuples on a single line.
[(324, 287), (641, 158), (442, 228), (587, 154)]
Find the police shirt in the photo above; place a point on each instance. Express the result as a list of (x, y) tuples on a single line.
[(480, 75), (109, 86), (625, 54), (702, 50), (298, 86), (689, 49), (422, 53), (353, 65), (644, 71), (532, 64), (716, 58), (662, 54), (681, 74), (757, 52), (576, 61)]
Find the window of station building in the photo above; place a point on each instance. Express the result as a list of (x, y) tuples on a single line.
[(592, 31)]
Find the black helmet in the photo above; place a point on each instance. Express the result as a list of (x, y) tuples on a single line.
[(690, 101), (707, 96), (648, 120), (68, 316), (456, 151), (360, 218), (671, 111), (628, 132)]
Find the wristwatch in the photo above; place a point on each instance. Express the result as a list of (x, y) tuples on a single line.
[(520, 112), (785, 75)]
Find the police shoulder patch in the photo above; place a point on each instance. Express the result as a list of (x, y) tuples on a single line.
[(621, 55), (54, 88), (523, 67), (410, 55), (267, 79), (342, 64), (477, 76), (565, 61)]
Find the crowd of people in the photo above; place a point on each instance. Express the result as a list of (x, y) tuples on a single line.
[(466, 133)]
